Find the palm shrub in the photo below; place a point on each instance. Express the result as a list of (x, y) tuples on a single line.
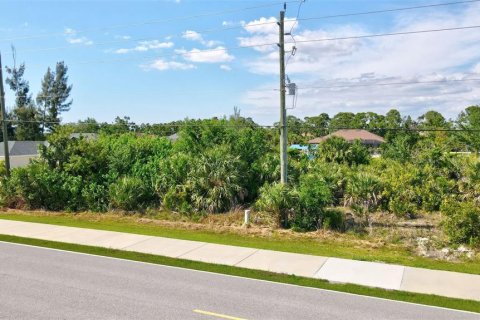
[(461, 222), (363, 195), (433, 189), (339, 150), (278, 200), (334, 175), (215, 182), (172, 172)]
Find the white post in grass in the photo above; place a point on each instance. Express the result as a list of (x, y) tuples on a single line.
[(246, 220)]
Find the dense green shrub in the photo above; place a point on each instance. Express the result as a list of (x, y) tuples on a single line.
[(177, 199), (333, 220), (172, 172), (313, 196), (399, 186), (399, 148), (39, 187), (303, 208), (3, 171), (129, 194), (462, 222), (95, 197)]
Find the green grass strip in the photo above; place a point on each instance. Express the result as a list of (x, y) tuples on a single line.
[(431, 300), (387, 254)]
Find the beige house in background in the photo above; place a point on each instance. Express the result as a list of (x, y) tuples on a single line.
[(365, 137), (21, 152)]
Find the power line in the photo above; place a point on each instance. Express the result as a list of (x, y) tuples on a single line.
[(227, 28), (388, 10), (148, 22), (290, 33), (389, 84), (446, 81), (243, 26), (389, 34), (149, 38), (184, 54)]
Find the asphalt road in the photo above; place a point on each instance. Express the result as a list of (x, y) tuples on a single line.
[(39, 283)]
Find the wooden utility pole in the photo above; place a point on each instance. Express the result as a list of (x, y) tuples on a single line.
[(283, 111), (4, 120)]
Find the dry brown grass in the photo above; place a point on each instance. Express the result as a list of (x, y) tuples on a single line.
[(388, 232)]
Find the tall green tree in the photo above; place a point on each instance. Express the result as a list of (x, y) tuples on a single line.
[(317, 126), (44, 96), (470, 120), (54, 95), (393, 120), (24, 114), (433, 120), (343, 120)]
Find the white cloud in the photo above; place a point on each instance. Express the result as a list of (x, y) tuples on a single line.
[(163, 65), (123, 37), (80, 40), (422, 57), (143, 46), (216, 55), (72, 38), (263, 31), (192, 35), (233, 23), (406, 55), (195, 36), (225, 67)]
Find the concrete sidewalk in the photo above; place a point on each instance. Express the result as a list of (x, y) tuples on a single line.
[(387, 276)]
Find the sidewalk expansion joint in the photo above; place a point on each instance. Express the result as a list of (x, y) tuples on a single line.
[(321, 266), (134, 244), (191, 250), (251, 254)]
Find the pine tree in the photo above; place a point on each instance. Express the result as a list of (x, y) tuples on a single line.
[(25, 114), (54, 96), (44, 96)]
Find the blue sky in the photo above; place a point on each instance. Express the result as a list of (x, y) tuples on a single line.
[(146, 59)]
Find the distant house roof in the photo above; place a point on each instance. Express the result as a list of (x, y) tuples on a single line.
[(351, 135), (22, 148), (87, 136), (174, 137)]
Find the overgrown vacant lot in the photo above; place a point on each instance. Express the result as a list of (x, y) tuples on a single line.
[(391, 240), (416, 204)]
